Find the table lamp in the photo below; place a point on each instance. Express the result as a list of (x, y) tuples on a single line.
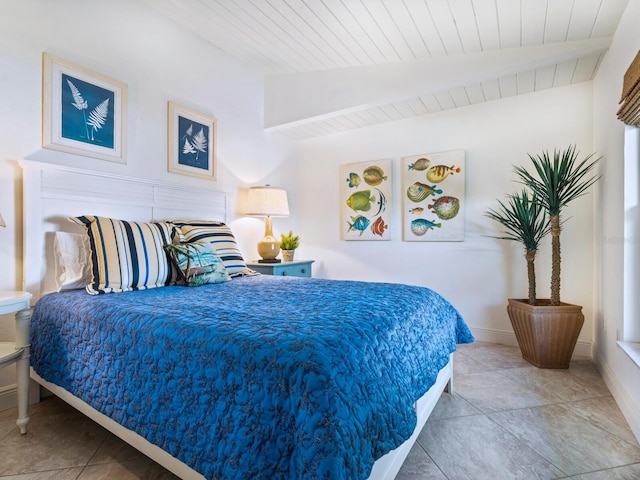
[(268, 202)]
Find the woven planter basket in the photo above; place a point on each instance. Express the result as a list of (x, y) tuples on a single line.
[(546, 334)]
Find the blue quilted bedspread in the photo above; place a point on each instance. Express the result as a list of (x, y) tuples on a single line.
[(258, 378)]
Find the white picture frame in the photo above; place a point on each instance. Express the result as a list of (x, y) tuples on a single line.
[(191, 145), (83, 112)]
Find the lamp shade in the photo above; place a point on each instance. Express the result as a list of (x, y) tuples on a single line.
[(2, 224), (267, 202)]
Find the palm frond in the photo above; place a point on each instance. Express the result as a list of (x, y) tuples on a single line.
[(524, 219), (560, 180)]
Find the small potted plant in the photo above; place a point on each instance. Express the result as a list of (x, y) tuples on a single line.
[(288, 245)]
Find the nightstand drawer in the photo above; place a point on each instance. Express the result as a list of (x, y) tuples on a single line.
[(301, 268)]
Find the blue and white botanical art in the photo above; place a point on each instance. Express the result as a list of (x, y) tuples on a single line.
[(87, 112), (193, 148)]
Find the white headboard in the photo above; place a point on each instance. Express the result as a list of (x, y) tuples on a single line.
[(52, 193)]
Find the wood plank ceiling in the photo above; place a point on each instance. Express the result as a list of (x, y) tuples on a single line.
[(285, 38)]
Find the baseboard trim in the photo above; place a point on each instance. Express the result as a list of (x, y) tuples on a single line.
[(505, 337), (8, 397), (627, 405)]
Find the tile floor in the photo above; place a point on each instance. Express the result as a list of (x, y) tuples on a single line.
[(505, 420)]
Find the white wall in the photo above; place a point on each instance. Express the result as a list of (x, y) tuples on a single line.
[(479, 274), (159, 61), (622, 375)]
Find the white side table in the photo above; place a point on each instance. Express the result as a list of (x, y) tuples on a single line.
[(18, 351)]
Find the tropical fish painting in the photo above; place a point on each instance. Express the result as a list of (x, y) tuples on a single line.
[(361, 201), (421, 226), (374, 175), (379, 227), (419, 191), (445, 207), (382, 203), (433, 186), (438, 173), (420, 164), (359, 224), (353, 180), (365, 192)]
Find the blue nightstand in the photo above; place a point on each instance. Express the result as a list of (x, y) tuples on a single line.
[(297, 268)]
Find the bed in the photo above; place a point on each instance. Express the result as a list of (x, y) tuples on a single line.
[(252, 377)]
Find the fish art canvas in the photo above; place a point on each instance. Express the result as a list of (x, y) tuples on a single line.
[(433, 186), (365, 200)]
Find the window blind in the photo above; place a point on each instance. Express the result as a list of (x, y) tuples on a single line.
[(629, 112)]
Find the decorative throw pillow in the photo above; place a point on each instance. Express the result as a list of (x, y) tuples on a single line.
[(72, 261), (220, 236), (127, 255), (198, 263)]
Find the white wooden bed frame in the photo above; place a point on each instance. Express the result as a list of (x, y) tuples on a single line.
[(53, 193)]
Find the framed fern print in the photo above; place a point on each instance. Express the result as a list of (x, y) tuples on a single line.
[(192, 143), (83, 112)]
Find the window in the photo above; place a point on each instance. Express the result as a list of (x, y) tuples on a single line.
[(631, 327)]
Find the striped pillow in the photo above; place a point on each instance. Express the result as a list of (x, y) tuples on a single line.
[(220, 236), (128, 255)]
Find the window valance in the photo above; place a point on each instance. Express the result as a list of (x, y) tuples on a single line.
[(629, 112)]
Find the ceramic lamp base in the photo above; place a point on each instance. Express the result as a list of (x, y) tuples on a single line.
[(269, 246)]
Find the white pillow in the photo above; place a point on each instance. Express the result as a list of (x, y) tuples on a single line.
[(72, 260)]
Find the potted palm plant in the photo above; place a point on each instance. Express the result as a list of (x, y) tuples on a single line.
[(547, 330)]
